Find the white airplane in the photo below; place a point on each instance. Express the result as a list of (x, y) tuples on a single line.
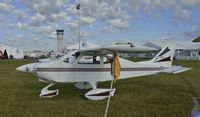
[(78, 67)]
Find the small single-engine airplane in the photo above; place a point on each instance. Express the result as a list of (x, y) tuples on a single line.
[(87, 67)]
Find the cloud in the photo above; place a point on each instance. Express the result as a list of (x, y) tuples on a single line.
[(182, 13), (20, 14), (1, 19), (46, 30), (62, 16), (108, 29), (6, 8), (48, 10), (72, 26), (16, 41), (6, 1), (176, 7), (190, 3), (44, 6), (87, 20), (37, 19), (191, 34), (52, 35), (103, 9), (119, 23), (21, 25), (85, 35), (35, 40)]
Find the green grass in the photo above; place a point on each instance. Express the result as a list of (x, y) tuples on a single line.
[(161, 95)]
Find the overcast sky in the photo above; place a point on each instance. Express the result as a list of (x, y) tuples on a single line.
[(31, 24)]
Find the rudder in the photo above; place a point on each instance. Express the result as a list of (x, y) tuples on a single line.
[(165, 57)]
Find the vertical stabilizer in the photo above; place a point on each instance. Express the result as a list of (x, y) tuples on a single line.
[(165, 57)]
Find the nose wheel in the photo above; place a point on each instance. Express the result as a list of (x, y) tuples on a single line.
[(48, 93)]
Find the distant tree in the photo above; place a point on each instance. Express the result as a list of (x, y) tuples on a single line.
[(11, 57), (196, 39)]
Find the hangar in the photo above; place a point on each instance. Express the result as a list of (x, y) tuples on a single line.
[(7, 52)]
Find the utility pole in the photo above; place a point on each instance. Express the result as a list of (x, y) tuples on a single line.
[(78, 19)]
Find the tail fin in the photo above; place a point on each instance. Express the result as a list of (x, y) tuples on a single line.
[(165, 57)]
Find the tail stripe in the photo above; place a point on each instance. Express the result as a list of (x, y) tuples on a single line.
[(164, 51), (165, 59)]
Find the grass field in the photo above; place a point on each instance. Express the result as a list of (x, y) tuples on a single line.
[(161, 95)]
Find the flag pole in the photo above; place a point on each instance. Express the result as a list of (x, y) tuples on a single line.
[(111, 86), (108, 102)]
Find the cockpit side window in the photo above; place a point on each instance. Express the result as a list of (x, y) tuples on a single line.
[(107, 60), (71, 59), (66, 60), (89, 60)]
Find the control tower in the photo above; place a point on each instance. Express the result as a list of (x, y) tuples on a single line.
[(60, 40)]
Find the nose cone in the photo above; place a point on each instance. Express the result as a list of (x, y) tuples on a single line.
[(25, 68)]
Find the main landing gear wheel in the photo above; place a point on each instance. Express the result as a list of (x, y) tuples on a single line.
[(83, 85), (99, 94)]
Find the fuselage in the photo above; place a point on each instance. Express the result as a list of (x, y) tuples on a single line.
[(60, 71)]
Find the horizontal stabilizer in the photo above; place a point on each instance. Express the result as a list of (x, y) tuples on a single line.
[(176, 69)]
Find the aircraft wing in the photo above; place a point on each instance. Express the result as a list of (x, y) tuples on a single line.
[(176, 69), (118, 48)]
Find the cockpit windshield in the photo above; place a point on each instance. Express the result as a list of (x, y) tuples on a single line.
[(71, 57)]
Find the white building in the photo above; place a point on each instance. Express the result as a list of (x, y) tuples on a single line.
[(7, 52), (36, 54), (184, 50), (191, 51)]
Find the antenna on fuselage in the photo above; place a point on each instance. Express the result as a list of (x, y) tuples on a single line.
[(78, 21)]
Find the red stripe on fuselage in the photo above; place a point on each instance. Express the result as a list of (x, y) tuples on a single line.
[(94, 69)]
